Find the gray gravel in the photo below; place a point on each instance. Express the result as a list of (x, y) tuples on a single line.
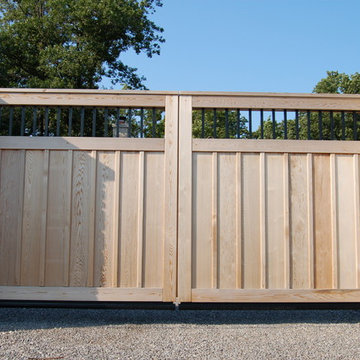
[(164, 334)]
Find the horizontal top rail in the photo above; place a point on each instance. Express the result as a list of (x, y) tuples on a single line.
[(146, 98), (91, 98), (276, 101)]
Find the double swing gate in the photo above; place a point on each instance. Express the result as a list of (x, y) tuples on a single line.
[(190, 203)]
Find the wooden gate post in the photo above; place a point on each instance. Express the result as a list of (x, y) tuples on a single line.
[(185, 199), (171, 186)]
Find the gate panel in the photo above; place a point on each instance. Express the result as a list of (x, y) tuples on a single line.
[(90, 219)]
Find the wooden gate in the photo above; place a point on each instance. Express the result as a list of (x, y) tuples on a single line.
[(268, 220), (89, 218), (179, 218)]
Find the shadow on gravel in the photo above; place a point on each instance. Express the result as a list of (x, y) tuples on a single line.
[(46, 318)]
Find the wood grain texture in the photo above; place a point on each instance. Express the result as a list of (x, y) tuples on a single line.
[(202, 229), (171, 197), (214, 223), (116, 219), (345, 195), (34, 218), (79, 293), (82, 219), (154, 221), (104, 235), (81, 98), (58, 219), (238, 221), (276, 146), (129, 221), (275, 218), (252, 261), (185, 199), (323, 244), (357, 213), (140, 222), (299, 223), (276, 296), (226, 221), (268, 101), (80, 143), (12, 168)]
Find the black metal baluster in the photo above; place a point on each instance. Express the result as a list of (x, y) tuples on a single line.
[(11, 120), (238, 124), (46, 121), (129, 122), (285, 125), (70, 121), (34, 121), (332, 126), (106, 126), (82, 121), (22, 128), (320, 125), (354, 125), (226, 123), (262, 123), (153, 122), (343, 125), (202, 123), (58, 119), (308, 124), (142, 122), (93, 130), (117, 122), (214, 124), (273, 124), (297, 124), (250, 123)]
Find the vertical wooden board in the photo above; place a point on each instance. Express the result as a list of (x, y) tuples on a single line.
[(153, 245), (299, 259), (58, 219), (357, 213), (104, 230), (226, 221), (323, 266), (171, 197), (185, 199), (202, 221), (345, 195), (129, 184), (82, 211), (12, 166), (252, 261), (32, 256), (275, 246)]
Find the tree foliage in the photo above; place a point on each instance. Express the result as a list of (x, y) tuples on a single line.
[(339, 83), (74, 43), (204, 124)]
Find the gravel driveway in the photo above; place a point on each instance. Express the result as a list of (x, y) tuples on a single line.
[(37, 333)]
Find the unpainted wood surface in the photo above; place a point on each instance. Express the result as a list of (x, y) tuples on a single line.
[(57, 218)]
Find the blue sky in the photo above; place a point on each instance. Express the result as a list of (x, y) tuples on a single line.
[(251, 45)]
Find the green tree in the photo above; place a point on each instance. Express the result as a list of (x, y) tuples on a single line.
[(224, 128), (339, 83), (74, 43)]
